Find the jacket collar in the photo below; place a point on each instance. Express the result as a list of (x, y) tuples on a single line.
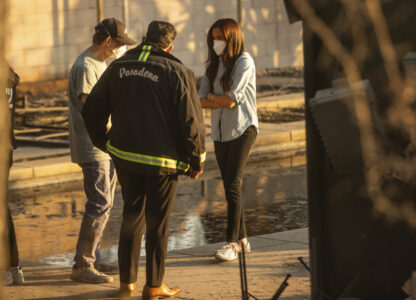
[(155, 50)]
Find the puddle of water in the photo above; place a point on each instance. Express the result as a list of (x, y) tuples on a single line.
[(274, 197)]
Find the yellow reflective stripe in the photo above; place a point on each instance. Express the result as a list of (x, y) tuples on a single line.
[(141, 54), (145, 53), (187, 166), (183, 166), (147, 159), (151, 160)]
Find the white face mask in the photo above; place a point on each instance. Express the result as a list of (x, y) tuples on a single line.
[(119, 52), (219, 47)]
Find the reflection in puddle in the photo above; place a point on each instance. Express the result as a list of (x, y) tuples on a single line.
[(274, 198)]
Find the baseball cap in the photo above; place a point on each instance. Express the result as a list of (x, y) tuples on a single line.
[(115, 29)]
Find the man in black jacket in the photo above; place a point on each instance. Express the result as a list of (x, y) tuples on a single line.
[(157, 133)]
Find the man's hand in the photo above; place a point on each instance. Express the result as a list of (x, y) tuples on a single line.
[(194, 174), (83, 97), (211, 97), (108, 126)]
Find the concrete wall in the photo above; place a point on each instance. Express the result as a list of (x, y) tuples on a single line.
[(47, 35)]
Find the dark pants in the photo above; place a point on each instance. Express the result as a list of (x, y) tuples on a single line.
[(12, 245), (12, 242), (148, 203), (232, 157)]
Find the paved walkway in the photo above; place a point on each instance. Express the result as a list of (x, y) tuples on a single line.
[(199, 275)]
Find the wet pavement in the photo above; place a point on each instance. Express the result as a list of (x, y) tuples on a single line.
[(274, 197)]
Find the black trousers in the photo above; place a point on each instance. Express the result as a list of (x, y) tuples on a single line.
[(232, 157), (148, 203), (11, 244)]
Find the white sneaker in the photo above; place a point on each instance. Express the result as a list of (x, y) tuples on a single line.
[(247, 248), (17, 275), (227, 252)]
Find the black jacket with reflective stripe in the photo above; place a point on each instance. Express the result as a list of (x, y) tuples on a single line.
[(157, 121)]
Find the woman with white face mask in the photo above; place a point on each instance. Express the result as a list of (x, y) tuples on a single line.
[(228, 88)]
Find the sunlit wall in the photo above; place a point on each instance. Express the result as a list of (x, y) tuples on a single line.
[(47, 35)]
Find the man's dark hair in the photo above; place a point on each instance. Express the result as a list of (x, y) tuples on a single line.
[(160, 34), (98, 38)]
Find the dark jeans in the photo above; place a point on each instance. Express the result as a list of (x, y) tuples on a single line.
[(148, 203), (232, 157), (99, 183)]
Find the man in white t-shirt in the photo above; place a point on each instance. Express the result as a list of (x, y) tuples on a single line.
[(110, 39)]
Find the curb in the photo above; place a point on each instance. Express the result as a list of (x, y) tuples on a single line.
[(270, 103), (58, 170)]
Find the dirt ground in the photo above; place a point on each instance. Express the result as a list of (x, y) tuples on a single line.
[(270, 82)]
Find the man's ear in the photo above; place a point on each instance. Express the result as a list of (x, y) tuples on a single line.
[(107, 41), (170, 48)]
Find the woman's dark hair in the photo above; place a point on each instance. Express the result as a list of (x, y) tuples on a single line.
[(234, 47)]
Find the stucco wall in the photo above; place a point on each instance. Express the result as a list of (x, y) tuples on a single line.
[(47, 35)]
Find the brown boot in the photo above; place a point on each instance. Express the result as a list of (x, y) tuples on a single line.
[(161, 291), (127, 289)]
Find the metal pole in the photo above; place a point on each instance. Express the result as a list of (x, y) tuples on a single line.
[(100, 11), (240, 12), (126, 13)]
